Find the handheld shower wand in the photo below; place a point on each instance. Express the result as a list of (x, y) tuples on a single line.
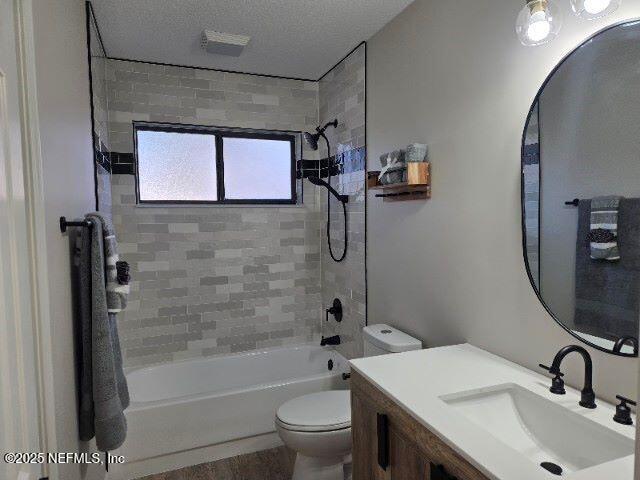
[(312, 140)]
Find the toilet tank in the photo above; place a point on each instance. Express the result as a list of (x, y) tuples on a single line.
[(382, 339)]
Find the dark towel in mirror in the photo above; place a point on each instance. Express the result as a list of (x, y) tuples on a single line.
[(607, 293)]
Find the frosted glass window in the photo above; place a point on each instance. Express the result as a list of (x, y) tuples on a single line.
[(186, 164), (257, 169), (176, 166)]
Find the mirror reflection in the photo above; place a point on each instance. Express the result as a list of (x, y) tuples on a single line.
[(581, 191)]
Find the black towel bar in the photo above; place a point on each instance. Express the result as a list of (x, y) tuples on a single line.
[(574, 203), (82, 223)]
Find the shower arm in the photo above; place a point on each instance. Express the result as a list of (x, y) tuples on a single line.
[(332, 123)]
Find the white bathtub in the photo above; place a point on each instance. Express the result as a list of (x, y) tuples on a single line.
[(193, 404)]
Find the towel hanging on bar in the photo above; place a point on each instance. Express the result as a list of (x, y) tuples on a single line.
[(603, 231), (104, 393)]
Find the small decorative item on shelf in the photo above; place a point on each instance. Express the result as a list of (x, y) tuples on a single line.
[(418, 173), (394, 168), (416, 152)]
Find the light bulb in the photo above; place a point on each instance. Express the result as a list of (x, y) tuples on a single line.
[(539, 27), (538, 22), (591, 9), (595, 7)]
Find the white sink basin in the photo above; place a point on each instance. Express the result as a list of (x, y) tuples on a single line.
[(539, 429)]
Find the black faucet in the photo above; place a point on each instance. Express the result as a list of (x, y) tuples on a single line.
[(588, 397), (617, 347), (335, 340)]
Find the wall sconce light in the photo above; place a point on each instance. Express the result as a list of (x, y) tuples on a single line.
[(540, 20), (592, 9)]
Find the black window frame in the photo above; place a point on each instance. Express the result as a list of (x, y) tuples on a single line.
[(219, 133)]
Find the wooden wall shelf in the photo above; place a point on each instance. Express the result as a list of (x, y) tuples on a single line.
[(417, 187)]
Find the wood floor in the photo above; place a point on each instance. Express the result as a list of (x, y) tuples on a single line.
[(274, 464)]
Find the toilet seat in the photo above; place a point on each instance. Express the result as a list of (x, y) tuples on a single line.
[(317, 412)]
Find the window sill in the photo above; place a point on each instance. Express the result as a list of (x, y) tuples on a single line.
[(220, 206)]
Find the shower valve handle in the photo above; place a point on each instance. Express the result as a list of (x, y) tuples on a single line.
[(335, 310)]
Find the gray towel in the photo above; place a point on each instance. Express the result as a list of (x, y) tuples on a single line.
[(83, 265), (603, 233), (104, 394), (117, 292), (607, 293)]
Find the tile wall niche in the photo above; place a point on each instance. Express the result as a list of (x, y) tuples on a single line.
[(213, 280), (342, 96)]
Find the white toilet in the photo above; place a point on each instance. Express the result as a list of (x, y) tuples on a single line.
[(318, 426)]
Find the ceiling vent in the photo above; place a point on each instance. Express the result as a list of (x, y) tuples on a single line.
[(224, 43)]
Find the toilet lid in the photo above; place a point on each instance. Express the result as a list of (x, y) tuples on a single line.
[(317, 411)]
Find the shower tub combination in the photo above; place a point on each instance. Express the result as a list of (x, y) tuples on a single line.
[(187, 405)]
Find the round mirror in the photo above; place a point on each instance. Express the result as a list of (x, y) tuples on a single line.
[(581, 191)]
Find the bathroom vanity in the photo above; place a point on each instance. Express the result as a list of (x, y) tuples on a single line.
[(462, 413), (389, 443)]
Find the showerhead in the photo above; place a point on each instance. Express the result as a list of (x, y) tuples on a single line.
[(317, 181), (312, 138)]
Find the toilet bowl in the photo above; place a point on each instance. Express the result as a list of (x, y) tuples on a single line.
[(318, 426)]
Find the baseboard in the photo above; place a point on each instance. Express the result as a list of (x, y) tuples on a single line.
[(175, 461)]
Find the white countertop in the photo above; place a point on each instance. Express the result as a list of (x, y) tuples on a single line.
[(416, 380)]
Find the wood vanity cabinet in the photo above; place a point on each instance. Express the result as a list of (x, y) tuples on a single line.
[(389, 444)]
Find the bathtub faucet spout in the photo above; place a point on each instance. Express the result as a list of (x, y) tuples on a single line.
[(335, 340)]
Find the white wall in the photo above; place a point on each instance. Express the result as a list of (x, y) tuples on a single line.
[(65, 135), (450, 269)]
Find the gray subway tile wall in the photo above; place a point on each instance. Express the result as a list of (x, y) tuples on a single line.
[(224, 284), (157, 93), (342, 96), (211, 280)]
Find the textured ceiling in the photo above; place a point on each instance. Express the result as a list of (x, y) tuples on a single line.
[(294, 38)]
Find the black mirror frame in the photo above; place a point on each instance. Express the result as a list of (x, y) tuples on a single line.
[(522, 186)]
